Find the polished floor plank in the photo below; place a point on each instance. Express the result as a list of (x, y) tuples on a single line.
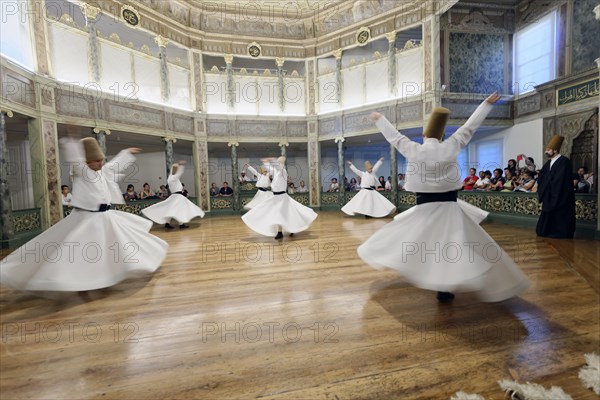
[(231, 314)]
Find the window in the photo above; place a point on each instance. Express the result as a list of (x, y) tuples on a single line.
[(489, 155), (535, 54), (15, 35)]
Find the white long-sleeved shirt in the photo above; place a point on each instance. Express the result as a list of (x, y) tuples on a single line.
[(93, 188), (433, 166), (368, 178), (279, 182), (174, 181), (263, 179)]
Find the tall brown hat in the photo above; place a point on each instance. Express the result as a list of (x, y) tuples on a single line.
[(555, 142), (92, 149), (368, 165), (437, 123), (174, 168), (263, 169)]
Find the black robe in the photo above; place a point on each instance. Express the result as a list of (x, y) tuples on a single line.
[(556, 193)]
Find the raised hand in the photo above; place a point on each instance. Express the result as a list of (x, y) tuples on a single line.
[(382, 158), (349, 162), (375, 115), (182, 162), (493, 98), (134, 150)]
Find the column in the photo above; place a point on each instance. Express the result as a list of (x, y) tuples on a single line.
[(200, 155), (101, 134), (169, 140), (43, 146), (280, 85), (91, 14), (394, 171), (314, 163), (5, 205), (339, 80), (230, 90), (392, 83), (164, 69), (341, 169), (235, 185), (597, 10)]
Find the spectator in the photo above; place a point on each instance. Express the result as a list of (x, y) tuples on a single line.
[(483, 182), (388, 183), (243, 178), (497, 182), (401, 181), (226, 191), (580, 183), (302, 188), (353, 185), (66, 197), (334, 187), (146, 192), (527, 182), (358, 183), (163, 192), (529, 163), (381, 184), (291, 188), (130, 194), (509, 182), (214, 190), (512, 166), (470, 181)]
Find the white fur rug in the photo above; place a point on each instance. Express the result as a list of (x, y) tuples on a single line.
[(590, 374)]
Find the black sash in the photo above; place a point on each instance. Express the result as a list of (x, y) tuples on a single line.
[(369, 188), (262, 189), (101, 208), (423, 198), (276, 193)]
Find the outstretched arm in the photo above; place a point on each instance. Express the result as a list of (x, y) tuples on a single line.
[(464, 134), (355, 170), (377, 165), (404, 145)]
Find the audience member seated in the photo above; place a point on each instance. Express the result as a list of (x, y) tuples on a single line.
[(243, 178), (66, 197), (509, 182), (346, 184), (291, 188), (214, 190), (497, 182), (483, 182), (163, 192), (353, 185), (226, 191), (381, 184), (470, 181), (130, 194), (146, 192), (302, 188), (401, 181), (580, 183), (388, 183), (335, 186), (358, 184), (526, 182)]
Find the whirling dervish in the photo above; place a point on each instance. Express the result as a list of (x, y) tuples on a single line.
[(262, 184), (176, 206), (369, 201)]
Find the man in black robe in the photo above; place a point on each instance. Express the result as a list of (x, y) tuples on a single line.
[(555, 192)]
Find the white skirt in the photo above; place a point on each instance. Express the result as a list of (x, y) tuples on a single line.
[(258, 198), (438, 246), (85, 251), (176, 207), (369, 202), (279, 211)]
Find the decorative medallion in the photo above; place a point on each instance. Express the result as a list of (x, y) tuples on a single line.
[(254, 50), (363, 35), (130, 15)]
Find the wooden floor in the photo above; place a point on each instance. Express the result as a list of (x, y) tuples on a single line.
[(234, 315)]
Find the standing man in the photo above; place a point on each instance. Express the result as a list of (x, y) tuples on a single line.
[(555, 192)]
